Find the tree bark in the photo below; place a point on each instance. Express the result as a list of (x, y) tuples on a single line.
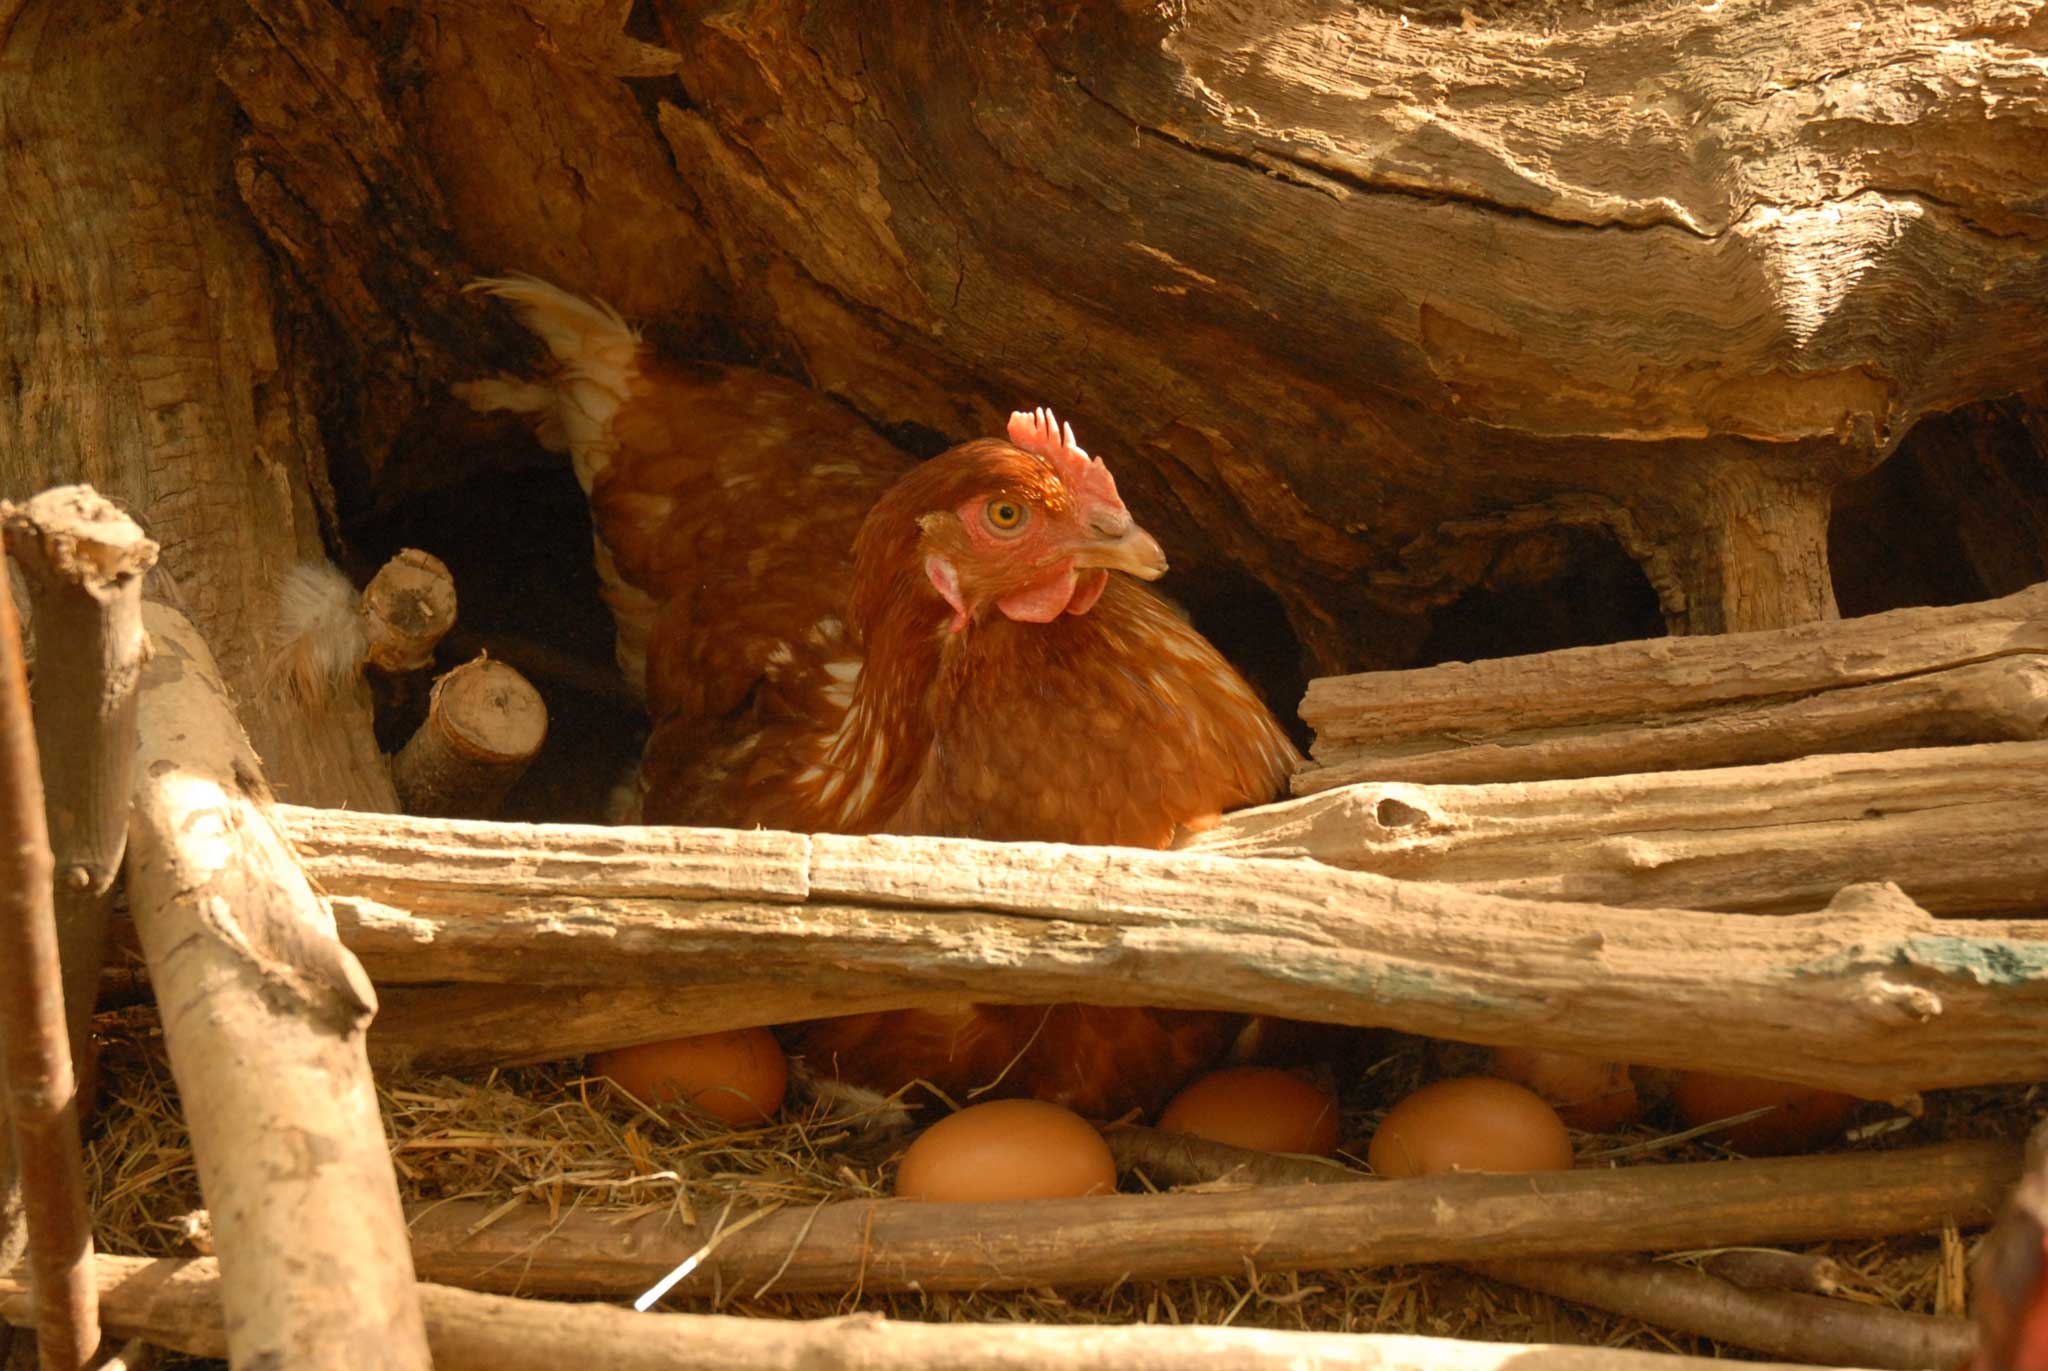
[(149, 358), (484, 726), (263, 1015), (760, 927), (1237, 243)]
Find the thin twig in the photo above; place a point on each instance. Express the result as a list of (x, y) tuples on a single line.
[(42, 1097)]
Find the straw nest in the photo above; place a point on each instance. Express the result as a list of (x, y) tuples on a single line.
[(553, 1135)]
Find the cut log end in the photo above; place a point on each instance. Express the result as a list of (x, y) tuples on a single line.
[(484, 725), (408, 607), (87, 539)]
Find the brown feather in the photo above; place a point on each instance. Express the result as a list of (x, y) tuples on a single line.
[(766, 551)]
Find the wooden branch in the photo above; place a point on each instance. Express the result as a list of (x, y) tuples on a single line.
[(175, 1303), (1881, 999), (905, 1245), (263, 1014), (1763, 1268), (484, 725), (1914, 677), (408, 607), (85, 561), (1955, 827), (42, 1096), (1800, 1327)]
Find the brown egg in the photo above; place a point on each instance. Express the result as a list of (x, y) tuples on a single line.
[(1587, 1094), (1804, 1118), (1473, 1123), (737, 1078), (1258, 1107), (1007, 1150)]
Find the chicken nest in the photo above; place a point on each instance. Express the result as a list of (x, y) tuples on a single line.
[(553, 1134)]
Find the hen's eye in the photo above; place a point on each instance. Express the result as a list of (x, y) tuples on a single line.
[(1005, 516)]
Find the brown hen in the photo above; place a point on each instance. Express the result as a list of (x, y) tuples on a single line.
[(831, 638)]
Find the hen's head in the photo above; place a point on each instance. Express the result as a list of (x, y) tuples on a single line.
[(1029, 528)]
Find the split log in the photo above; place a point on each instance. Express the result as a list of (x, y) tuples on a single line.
[(1957, 828), (484, 726), (175, 1304), (41, 1110), (85, 561), (1881, 999), (263, 1015), (908, 1245), (1911, 678)]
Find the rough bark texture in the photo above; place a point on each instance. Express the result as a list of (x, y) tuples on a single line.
[(143, 345), (907, 1244), (762, 926), (175, 1304), (1956, 827), (263, 1015), (1750, 245), (1969, 673)]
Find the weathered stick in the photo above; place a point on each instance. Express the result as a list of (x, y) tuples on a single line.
[(1955, 827), (904, 1245), (1880, 999), (176, 1304), (84, 561), (263, 1013), (1803, 1328), (1968, 673), (42, 1096), (1800, 1327), (1764, 1268), (484, 725), (408, 607)]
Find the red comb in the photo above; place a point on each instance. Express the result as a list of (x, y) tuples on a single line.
[(1039, 432)]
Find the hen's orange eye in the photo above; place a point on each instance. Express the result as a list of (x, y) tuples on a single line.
[(1005, 516)]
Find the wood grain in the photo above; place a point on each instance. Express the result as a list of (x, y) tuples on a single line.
[(1914, 677), (1954, 827), (175, 1304), (736, 928)]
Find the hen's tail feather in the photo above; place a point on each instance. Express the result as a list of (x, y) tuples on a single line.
[(598, 359), (598, 366)]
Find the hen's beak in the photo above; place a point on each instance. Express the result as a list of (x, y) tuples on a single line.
[(1118, 544)]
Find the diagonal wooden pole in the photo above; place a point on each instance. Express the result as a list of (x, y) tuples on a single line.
[(42, 1097)]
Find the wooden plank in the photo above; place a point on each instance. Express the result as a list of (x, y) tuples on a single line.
[(1967, 673)]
